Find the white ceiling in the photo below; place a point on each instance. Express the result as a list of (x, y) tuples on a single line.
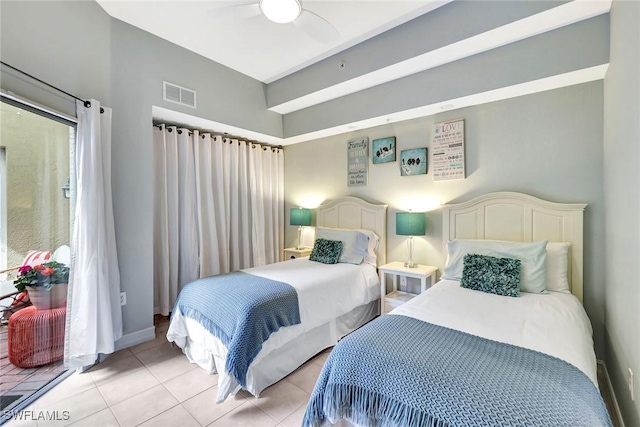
[(260, 48)]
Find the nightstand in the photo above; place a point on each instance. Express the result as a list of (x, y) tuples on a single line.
[(293, 253), (396, 298)]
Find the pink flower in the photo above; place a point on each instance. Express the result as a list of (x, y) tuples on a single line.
[(24, 269)]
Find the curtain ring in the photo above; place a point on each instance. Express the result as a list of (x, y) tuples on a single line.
[(87, 104), (170, 130), (179, 131)]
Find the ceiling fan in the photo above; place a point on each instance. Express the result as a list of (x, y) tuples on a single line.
[(283, 12)]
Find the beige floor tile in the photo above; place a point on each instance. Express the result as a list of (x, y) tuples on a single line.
[(105, 372), (118, 355), (161, 338), (205, 410), (74, 384), (158, 353), (281, 400), (191, 383), (305, 376), (176, 416), (103, 418), (295, 419), (246, 415), (74, 408), (144, 406), (171, 367), (128, 386)]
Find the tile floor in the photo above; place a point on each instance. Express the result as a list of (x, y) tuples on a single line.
[(153, 384)]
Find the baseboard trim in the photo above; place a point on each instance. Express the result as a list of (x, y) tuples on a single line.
[(611, 392), (135, 338)]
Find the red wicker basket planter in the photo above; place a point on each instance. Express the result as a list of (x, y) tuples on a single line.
[(36, 337)]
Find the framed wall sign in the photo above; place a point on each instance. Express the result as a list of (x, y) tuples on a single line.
[(413, 162), (447, 150), (357, 161), (383, 150)]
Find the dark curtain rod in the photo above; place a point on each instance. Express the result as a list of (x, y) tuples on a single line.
[(86, 103), (224, 137)]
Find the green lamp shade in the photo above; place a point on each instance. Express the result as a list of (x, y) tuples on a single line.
[(300, 217), (411, 224)]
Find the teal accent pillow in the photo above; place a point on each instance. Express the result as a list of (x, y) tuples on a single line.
[(532, 255), (326, 251), (354, 243), (493, 275)]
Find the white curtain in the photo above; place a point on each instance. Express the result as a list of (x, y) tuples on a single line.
[(94, 316), (218, 208)]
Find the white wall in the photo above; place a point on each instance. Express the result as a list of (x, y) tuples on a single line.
[(622, 197), (548, 145)]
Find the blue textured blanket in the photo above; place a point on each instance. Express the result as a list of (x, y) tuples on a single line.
[(241, 310), (400, 371)]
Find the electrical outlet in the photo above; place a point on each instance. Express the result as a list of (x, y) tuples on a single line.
[(403, 282), (630, 383), (123, 298)]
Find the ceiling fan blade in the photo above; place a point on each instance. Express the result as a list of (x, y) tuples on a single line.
[(237, 11), (316, 27)]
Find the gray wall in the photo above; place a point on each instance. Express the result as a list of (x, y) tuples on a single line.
[(66, 44), (548, 145), (423, 34), (622, 197), (566, 49)]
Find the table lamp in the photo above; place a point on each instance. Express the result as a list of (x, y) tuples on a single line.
[(410, 224), (302, 218)]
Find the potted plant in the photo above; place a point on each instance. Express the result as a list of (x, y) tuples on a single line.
[(46, 284)]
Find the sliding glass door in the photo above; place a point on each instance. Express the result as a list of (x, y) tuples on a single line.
[(36, 216)]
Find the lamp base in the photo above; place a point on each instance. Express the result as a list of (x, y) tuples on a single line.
[(410, 264)]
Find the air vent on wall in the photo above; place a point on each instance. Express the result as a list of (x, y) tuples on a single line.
[(179, 95)]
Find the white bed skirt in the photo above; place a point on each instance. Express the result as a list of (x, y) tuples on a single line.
[(271, 364)]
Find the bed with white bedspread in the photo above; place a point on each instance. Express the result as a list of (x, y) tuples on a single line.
[(330, 301), (455, 356)]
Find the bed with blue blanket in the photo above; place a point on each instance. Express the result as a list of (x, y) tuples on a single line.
[(418, 367), (501, 340), (253, 327)]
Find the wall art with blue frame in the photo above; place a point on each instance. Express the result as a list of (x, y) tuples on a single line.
[(383, 150), (413, 162)]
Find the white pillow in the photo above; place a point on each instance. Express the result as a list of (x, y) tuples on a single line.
[(354, 243), (533, 256), (374, 241), (557, 266)]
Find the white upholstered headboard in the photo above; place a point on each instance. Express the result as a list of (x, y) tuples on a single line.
[(352, 212), (520, 218)]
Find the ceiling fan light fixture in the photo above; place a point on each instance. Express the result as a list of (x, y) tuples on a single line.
[(281, 11)]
